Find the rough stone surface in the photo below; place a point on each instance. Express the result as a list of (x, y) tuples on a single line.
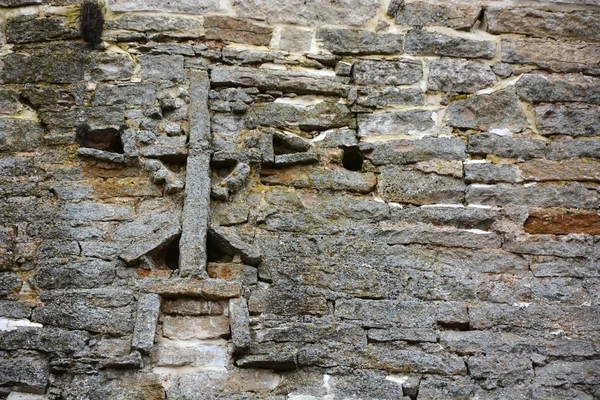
[(578, 24), (413, 122), (500, 110), (236, 30), (289, 199), (345, 12), (568, 119), (419, 13), (553, 55), (460, 76), (418, 188), (432, 43), (386, 72), (559, 88), (353, 41)]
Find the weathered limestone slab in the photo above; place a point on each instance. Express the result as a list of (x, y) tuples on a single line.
[(406, 361), (567, 170), (418, 188), (51, 63), (455, 16), (411, 122), (413, 151), (424, 42), (356, 42), (506, 146), (575, 119), (321, 178), (562, 222), (289, 81), (386, 72), (161, 67), (192, 245), (579, 24), (236, 30), (402, 233), (84, 273), (192, 307), (411, 314), (388, 96), (570, 195), (460, 76), (96, 310), (38, 28), (500, 371), (27, 372), (148, 309), (321, 116), (295, 39), (500, 110), (239, 321), (345, 12), (491, 173), (539, 88), (565, 372), (552, 55), (208, 289), (186, 328), (114, 384), (19, 135), (179, 6)]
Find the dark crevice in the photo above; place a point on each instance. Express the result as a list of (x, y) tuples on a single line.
[(106, 139), (167, 257), (215, 252), (352, 158)]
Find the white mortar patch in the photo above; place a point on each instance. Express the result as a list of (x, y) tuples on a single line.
[(9, 324)]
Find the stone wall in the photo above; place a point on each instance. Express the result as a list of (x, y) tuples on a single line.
[(290, 199)]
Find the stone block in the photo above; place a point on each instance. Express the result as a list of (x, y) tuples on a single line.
[(192, 307), (209, 289), (148, 309), (51, 63), (386, 72), (411, 122), (236, 30), (321, 179), (95, 310), (506, 146), (491, 173), (413, 361), (356, 42), (46, 339), (567, 170), (568, 195), (295, 39), (186, 328), (559, 373), (85, 273), (460, 76), (411, 314), (455, 16), (538, 88), (239, 321), (288, 81), (109, 66), (500, 110), (579, 24), (418, 188), (568, 119), (389, 96), (321, 116), (553, 55), (28, 373), (413, 151), (346, 12), (115, 384), (19, 135), (562, 222), (501, 370), (162, 67), (39, 28), (178, 6), (204, 354), (432, 43)]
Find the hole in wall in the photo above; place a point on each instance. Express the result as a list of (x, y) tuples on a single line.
[(215, 251), (106, 139), (168, 256), (352, 158)]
